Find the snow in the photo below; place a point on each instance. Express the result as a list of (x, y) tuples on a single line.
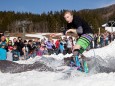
[(11, 38), (35, 35), (35, 78), (105, 52)]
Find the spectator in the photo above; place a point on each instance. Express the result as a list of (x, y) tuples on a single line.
[(3, 41), (42, 50), (25, 49), (106, 40), (16, 53), (49, 45), (9, 44), (64, 41), (69, 45), (109, 37), (39, 52), (31, 49), (15, 42), (57, 44), (45, 51), (102, 41), (3, 52), (61, 47), (95, 40), (20, 45), (37, 41), (9, 53)]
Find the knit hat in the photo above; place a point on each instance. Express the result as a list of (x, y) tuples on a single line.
[(10, 48)]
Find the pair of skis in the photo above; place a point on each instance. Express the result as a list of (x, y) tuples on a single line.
[(77, 64)]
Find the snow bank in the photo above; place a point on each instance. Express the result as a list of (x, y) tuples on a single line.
[(105, 52), (35, 78)]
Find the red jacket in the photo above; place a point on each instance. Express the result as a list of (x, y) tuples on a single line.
[(57, 43)]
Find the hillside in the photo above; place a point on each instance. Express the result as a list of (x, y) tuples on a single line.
[(53, 21)]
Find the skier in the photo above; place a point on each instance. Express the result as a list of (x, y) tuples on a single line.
[(78, 26)]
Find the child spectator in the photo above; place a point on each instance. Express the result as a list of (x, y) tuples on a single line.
[(9, 53), (39, 52), (45, 51), (42, 50), (16, 53)]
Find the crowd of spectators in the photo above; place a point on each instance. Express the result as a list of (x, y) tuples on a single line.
[(16, 49)]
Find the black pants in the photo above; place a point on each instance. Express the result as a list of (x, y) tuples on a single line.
[(50, 51), (69, 50), (15, 58)]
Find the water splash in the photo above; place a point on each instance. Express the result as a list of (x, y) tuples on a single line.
[(99, 65)]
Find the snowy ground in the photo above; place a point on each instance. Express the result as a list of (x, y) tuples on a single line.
[(35, 78)]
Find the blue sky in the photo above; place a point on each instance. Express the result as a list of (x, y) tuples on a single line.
[(40, 6)]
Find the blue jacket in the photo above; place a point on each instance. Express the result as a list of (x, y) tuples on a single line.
[(3, 54), (16, 52), (61, 46), (3, 43)]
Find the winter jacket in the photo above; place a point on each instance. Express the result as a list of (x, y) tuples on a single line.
[(61, 47), (9, 56), (57, 43), (49, 45), (16, 55), (3, 43), (3, 53)]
